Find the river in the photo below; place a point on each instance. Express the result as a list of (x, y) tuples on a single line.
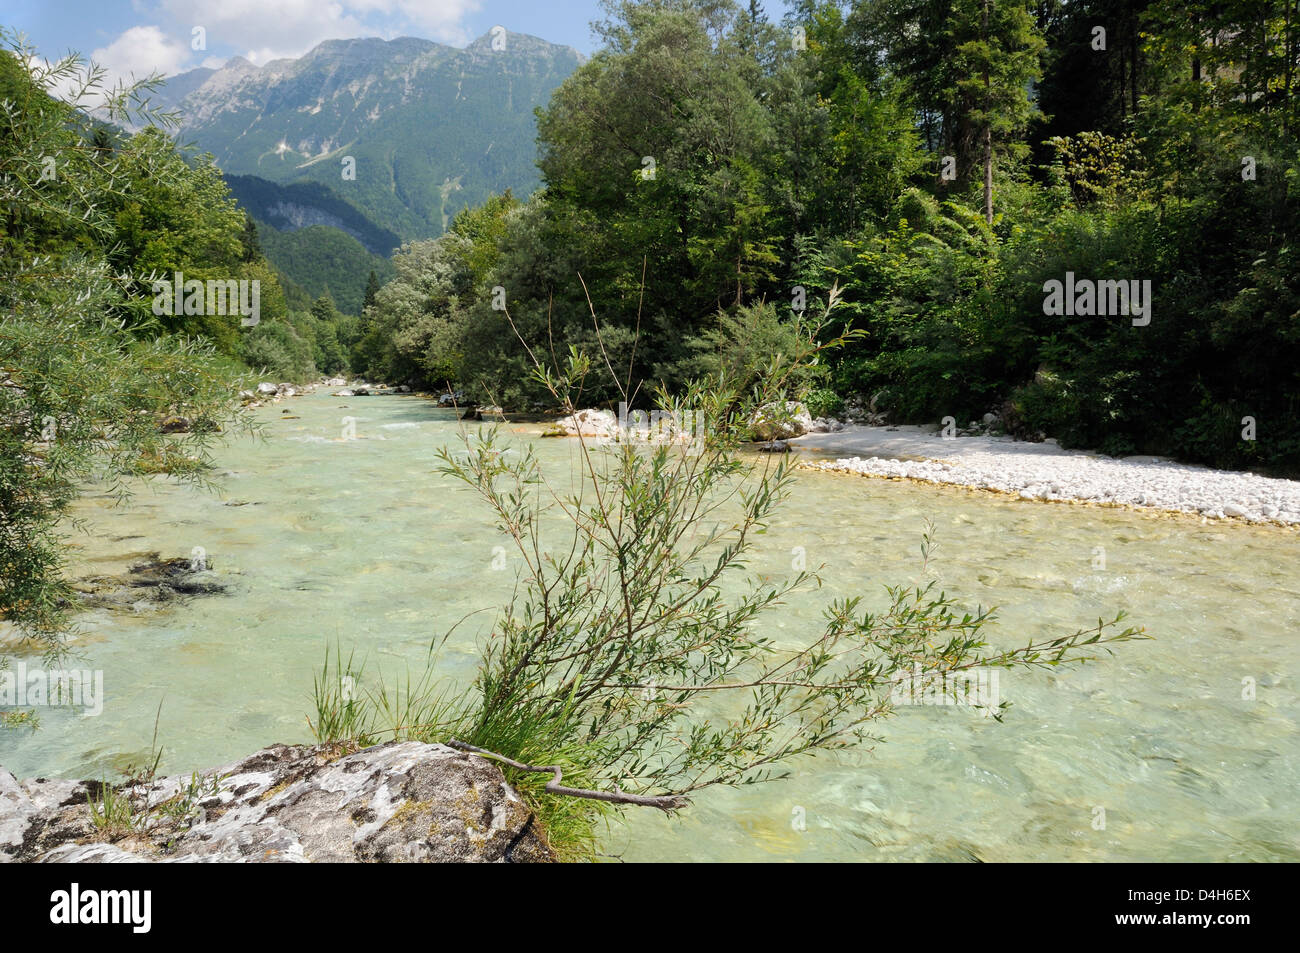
[(1178, 749)]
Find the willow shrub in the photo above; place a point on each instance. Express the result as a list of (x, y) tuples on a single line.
[(84, 385), (634, 654)]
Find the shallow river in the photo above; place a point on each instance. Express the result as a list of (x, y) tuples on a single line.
[(1160, 752)]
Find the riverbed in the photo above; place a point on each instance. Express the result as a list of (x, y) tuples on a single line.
[(336, 529)]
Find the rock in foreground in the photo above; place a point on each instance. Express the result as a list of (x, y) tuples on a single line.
[(399, 802)]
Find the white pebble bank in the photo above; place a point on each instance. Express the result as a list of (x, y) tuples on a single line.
[(1043, 471)]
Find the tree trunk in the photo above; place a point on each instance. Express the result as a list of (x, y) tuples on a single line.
[(1123, 87), (1133, 61), (988, 173), (988, 124), (1288, 53)]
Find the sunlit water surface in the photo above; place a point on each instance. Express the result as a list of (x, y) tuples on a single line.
[(1156, 753)]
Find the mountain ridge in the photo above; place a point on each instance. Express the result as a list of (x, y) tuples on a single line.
[(425, 128)]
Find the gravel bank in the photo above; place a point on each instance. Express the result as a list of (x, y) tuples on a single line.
[(1043, 471)]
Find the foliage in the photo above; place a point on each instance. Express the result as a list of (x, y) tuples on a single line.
[(1099, 168), (701, 164), (741, 344), (323, 260), (87, 371), (276, 349), (414, 330), (823, 402)]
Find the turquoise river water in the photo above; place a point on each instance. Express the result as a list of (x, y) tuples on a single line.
[(1182, 748)]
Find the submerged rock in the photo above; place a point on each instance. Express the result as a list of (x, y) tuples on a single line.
[(151, 581), (399, 802)]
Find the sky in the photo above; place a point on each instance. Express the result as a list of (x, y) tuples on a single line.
[(137, 37)]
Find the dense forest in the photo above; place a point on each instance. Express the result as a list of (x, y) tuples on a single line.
[(710, 173)]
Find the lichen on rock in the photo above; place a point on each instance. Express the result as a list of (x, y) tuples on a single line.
[(399, 802)]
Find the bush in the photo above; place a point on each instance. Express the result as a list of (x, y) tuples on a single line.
[(275, 349), (822, 402), (632, 656), (87, 373), (740, 345)]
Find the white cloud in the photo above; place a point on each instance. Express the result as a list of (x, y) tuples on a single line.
[(140, 51), (263, 30), (435, 19), (135, 55)]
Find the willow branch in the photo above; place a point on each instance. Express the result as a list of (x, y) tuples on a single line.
[(665, 802)]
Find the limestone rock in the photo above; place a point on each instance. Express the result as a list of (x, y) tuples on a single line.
[(771, 422), (590, 423), (403, 801)]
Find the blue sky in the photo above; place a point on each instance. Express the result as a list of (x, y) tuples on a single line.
[(140, 36)]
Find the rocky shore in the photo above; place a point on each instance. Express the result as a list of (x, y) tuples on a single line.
[(770, 424), (398, 802), (1043, 471), (268, 392)]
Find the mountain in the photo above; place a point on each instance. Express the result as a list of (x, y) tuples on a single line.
[(431, 129), (299, 205)]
